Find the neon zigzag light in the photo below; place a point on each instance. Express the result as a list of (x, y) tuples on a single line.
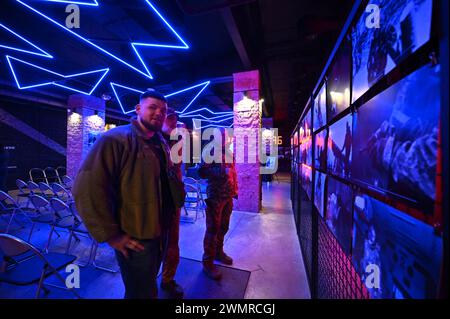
[(222, 117), (134, 45), (92, 3), (43, 53), (190, 114), (204, 84), (208, 118), (211, 125), (9, 58)]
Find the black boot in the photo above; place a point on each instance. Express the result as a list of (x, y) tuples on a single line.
[(173, 289), (224, 258)]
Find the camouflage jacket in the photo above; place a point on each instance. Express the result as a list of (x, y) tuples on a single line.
[(221, 178)]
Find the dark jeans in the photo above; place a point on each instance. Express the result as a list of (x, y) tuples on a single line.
[(140, 269)]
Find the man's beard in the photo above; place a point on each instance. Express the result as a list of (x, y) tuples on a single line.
[(151, 127)]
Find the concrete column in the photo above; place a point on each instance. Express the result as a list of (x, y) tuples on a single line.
[(85, 120), (247, 115)]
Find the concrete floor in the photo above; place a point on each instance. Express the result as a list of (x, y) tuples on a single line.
[(265, 244)]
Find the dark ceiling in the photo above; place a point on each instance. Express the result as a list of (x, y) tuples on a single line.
[(287, 40)]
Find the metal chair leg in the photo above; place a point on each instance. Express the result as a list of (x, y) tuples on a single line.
[(76, 237), (89, 261), (41, 281), (31, 231), (10, 221), (49, 239), (93, 244), (100, 267), (69, 242)]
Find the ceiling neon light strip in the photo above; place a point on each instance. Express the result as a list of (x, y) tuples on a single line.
[(211, 125), (134, 45), (91, 3), (113, 85), (42, 52), (208, 118), (189, 114), (55, 83), (203, 85)]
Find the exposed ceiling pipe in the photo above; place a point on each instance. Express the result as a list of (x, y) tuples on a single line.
[(233, 31), (35, 99), (112, 113)]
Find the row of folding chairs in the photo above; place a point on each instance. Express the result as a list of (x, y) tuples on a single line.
[(21, 263), (50, 198), (48, 175), (54, 212), (194, 200), (43, 189)]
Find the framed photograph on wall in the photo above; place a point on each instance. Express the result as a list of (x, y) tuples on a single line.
[(338, 82), (320, 108), (404, 251), (339, 147), (395, 138), (320, 149), (404, 26), (339, 212), (319, 191)]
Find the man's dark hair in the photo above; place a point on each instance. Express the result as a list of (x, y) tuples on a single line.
[(154, 94)]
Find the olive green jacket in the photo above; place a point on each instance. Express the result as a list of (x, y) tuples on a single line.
[(118, 189)]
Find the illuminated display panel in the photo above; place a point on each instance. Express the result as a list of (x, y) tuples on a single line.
[(339, 150), (406, 251), (404, 27), (339, 212), (320, 108), (338, 84), (395, 140)]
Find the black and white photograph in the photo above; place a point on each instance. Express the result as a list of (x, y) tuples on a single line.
[(320, 155), (307, 180), (338, 83), (320, 108), (319, 191), (339, 150), (404, 26), (339, 212), (306, 140), (395, 142), (405, 251)]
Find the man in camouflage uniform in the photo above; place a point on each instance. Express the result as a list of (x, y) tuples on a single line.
[(172, 257), (221, 189)]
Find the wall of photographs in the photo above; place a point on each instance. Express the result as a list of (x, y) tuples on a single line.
[(366, 158)]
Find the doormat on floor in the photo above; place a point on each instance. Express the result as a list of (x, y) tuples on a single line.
[(197, 285)]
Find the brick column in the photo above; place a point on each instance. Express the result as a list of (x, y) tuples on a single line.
[(85, 120), (247, 115)]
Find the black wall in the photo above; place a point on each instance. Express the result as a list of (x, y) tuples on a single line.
[(22, 152)]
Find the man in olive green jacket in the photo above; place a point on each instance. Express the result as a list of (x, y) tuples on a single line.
[(126, 193)]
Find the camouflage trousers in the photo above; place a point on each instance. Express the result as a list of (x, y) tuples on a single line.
[(172, 254), (218, 213)]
